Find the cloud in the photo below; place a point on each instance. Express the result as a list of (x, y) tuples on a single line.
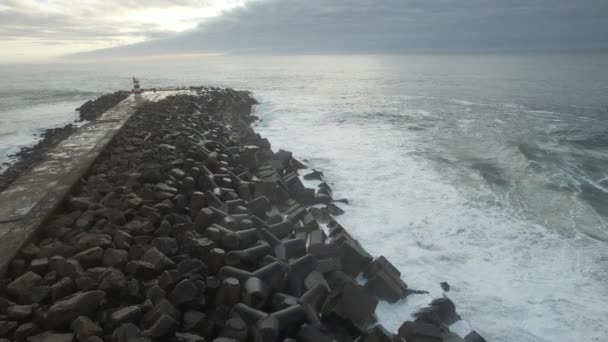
[(390, 26), (101, 23)]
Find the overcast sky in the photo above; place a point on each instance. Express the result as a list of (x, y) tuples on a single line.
[(38, 28)]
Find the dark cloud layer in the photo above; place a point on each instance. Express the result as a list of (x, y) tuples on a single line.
[(321, 26)]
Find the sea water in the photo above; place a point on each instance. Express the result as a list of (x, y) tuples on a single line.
[(488, 171)]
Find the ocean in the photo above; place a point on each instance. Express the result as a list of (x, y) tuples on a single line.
[(488, 171)]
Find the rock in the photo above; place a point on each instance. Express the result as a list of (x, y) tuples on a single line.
[(115, 257), (163, 326), (86, 283), (127, 332), (141, 270), (30, 251), (315, 175), (184, 293), (55, 248), (63, 288), (190, 267), (93, 339), (94, 240), (130, 314), (351, 302), (473, 336), (384, 280), (187, 337), (80, 304), (155, 293), (164, 229), (66, 267), (163, 307), (166, 245), (39, 265), (90, 257), (113, 281), (160, 261), (7, 328), (376, 334), (196, 321), (445, 286), (84, 328), (420, 332), (26, 330), (440, 311), (19, 312), (168, 279), (50, 336), (122, 240), (25, 289)]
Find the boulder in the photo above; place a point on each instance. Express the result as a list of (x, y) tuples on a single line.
[(79, 304), (115, 257), (84, 328), (50, 336)]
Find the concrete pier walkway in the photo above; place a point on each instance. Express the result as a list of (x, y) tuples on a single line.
[(27, 203)]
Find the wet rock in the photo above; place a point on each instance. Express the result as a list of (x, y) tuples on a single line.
[(94, 240), (420, 332), (473, 336), (16, 267), (190, 267), (19, 312), (315, 175), (163, 307), (141, 270), (159, 260), (196, 321), (93, 339), (86, 283), (26, 330), (55, 248), (26, 290), (80, 304), (39, 265), (115, 257), (7, 328), (84, 328), (50, 336), (125, 333), (445, 286), (29, 251), (155, 293), (376, 334), (440, 311), (352, 302), (166, 245), (113, 281), (187, 337), (66, 267), (163, 326), (130, 314), (122, 240), (63, 288), (90, 257), (185, 292)]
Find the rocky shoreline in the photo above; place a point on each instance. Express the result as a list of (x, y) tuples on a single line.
[(29, 156), (190, 228)]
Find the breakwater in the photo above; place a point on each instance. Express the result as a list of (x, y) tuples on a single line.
[(190, 228)]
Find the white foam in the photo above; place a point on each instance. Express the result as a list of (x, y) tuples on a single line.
[(512, 280)]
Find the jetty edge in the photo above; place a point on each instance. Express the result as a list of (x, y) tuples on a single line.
[(181, 224)]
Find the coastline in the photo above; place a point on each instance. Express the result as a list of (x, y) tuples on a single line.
[(172, 191), (30, 155)]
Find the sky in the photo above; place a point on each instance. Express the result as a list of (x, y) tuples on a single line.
[(42, 29)]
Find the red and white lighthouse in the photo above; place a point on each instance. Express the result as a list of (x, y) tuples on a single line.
[(136, 88)]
